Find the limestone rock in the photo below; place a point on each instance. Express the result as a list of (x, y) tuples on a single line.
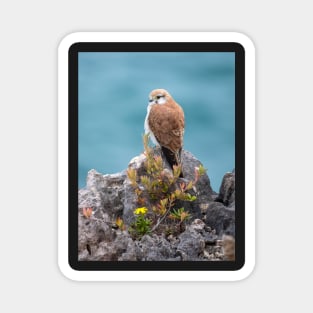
[(92, 234), (221, 219), (227, 190), (202, 191), (103, 193), (111, 196), (220, 215)]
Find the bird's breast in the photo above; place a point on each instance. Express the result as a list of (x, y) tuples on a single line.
[(147, 127)]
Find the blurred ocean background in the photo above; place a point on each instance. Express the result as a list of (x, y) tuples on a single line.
[(113, 97)]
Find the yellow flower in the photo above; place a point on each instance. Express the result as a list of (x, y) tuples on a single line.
[(142, 211)]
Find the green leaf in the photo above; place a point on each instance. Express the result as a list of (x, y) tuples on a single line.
[(202, 170)]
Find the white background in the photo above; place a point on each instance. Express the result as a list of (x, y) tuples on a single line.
[(29, 277)]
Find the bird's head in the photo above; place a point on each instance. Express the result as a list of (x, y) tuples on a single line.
[(159, 96)]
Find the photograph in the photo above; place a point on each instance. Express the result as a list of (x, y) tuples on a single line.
[(156, 157)]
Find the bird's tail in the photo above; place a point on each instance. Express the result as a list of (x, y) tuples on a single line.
[(173, 158)]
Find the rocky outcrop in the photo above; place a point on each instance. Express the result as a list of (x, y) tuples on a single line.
[(202, 191), (220, 214), (105, 194), (227, 190), (221, 218), (98, 241), (112, 196)]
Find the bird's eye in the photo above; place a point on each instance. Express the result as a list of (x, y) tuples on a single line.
[(159, 96)]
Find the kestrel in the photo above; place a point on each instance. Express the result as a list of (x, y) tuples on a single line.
[(165, 123)]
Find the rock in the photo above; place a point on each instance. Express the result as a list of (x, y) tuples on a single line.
[(229, 248), (227, 190), (125, 247), (103, 193), (202, 191), (99, 242), (220, 215), (152, 248), (191, 244), (92, 233), (111, 196), (221, 219), (114, 195)]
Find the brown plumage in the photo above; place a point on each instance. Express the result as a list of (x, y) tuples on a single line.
[(165, 123)]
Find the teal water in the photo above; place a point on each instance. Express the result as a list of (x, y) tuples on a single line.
[(113, 97)]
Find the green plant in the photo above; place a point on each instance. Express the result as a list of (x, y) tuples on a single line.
[(141, 225), (160, 190), (181, 216)]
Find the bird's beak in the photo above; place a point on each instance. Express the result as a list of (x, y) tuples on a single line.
[(150, 100)]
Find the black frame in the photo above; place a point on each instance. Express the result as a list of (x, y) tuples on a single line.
[(73, 154)]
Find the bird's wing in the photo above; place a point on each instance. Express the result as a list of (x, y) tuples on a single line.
[(167, 125)]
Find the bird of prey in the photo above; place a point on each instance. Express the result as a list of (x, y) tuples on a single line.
[(165, 124)]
